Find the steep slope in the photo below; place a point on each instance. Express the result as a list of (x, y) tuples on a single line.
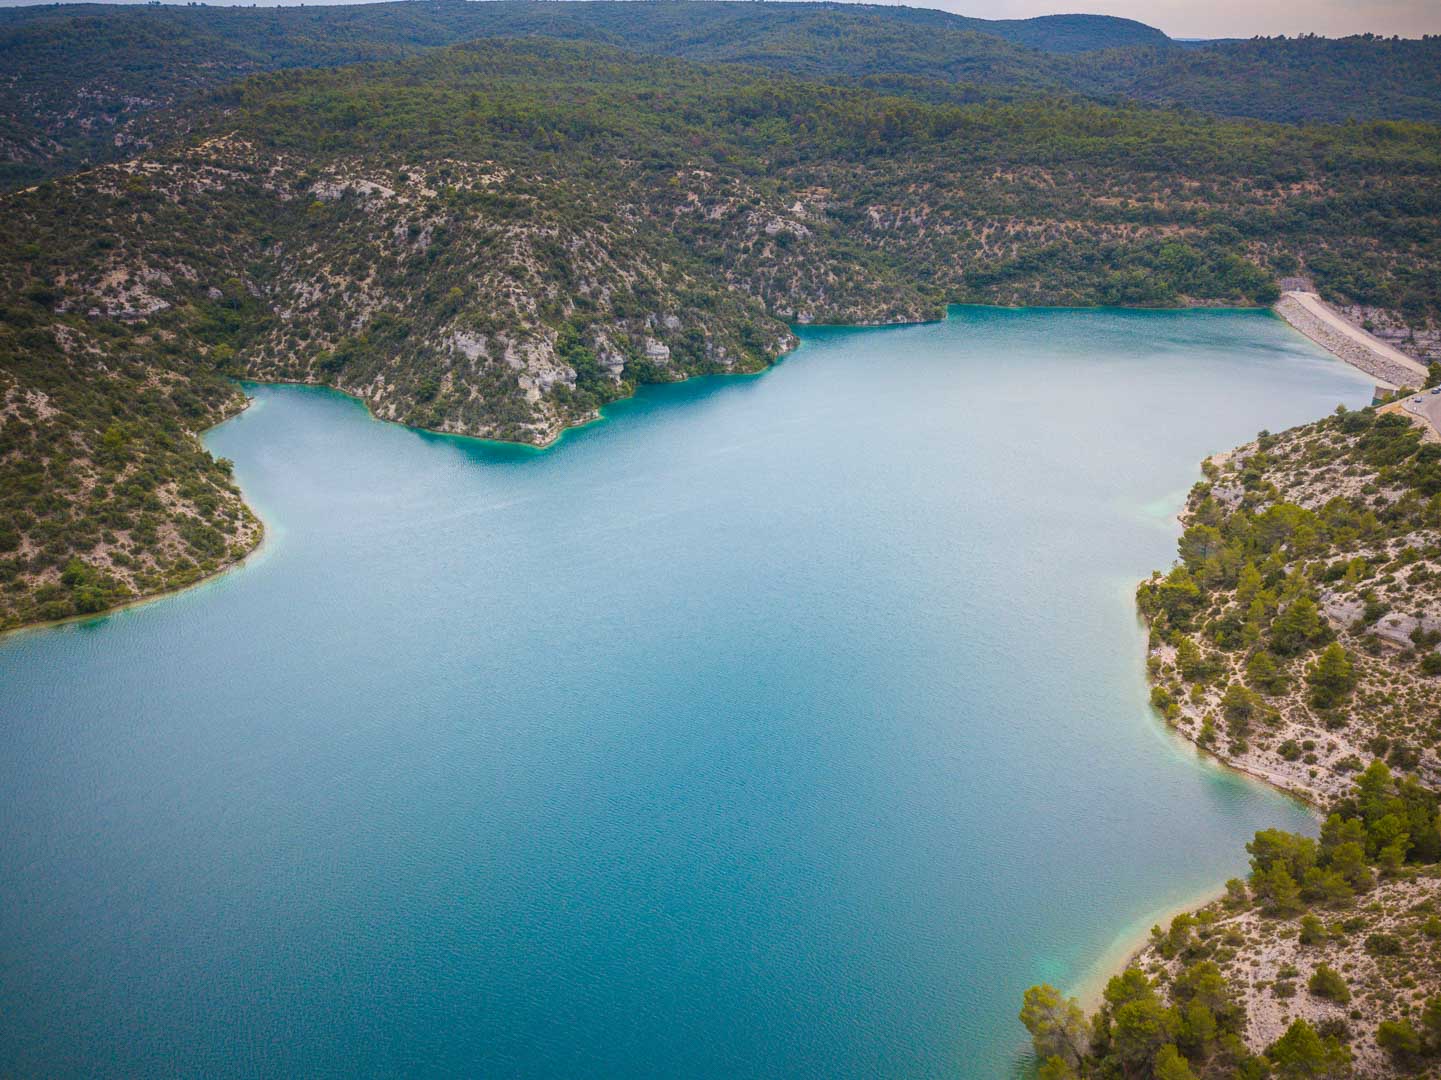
[(1319, 544), (498, 238)]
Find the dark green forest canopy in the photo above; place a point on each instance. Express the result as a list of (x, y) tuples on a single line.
[(475, 97), (1096, 204), (1085, 193), (86, 77)]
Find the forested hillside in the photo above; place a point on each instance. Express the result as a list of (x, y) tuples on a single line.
[(82, 82), (1289, 79), (500, 237)]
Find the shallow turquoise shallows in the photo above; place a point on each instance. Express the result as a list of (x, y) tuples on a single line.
[(785, 726)]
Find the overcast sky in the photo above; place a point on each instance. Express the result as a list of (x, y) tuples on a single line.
[(1188, 18), (1234, 18)]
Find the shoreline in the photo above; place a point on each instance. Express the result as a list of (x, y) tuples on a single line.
[(149, 598), (796, 329), (241, 381), (1261, 957), (1132, 941), (220, 571), (1129, 943), (1260, 776), (519, 444)]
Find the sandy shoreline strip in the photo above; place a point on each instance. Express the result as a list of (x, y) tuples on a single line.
[(1127, 945)]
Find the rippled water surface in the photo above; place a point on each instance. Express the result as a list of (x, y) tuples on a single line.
[(774, 727)]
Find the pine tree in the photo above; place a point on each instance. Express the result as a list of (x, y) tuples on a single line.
[(1331, 678)]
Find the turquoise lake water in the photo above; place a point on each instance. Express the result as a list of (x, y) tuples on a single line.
[(785, 726)]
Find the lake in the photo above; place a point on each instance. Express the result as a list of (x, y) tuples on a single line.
[(774, 726)]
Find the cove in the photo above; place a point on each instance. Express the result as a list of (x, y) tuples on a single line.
[(775, 726)]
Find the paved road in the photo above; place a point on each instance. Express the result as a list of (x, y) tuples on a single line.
[(1319, 308), (1429, 407)]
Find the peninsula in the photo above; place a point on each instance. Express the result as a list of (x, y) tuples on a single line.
[(1296, 639)]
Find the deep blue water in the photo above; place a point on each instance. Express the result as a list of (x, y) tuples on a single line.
[(785, 726)]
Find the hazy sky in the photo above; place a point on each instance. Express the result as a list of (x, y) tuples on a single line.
[(1185, 18), (1234, 18)]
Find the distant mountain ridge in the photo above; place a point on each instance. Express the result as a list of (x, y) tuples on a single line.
[(1050, 33), (1074, 33), (83, 79)]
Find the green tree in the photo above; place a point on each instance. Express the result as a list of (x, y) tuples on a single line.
[(1313, 931), (1431, 1025), (1140, 1028), (1191, 661), (1323, 885), (1129, 985), (1264, 674), (1372, 794), (1392, 857), (1387, 837), (1301, 1054), (1400, 1040), (1197, 544), (1349, 860), (1199, 1029), (1178, 596), (1277, 890), (1056, 1068), (1332, 678), (1297, 628), (1272, 846), (1239, 706), (1236, 895), (1056, 1023), (1339, 830), (1248, 584), (1326, 982), (1203, 984), (1170, 1065)]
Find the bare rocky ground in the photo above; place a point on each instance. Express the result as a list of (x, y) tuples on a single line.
[(1270, 968)]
